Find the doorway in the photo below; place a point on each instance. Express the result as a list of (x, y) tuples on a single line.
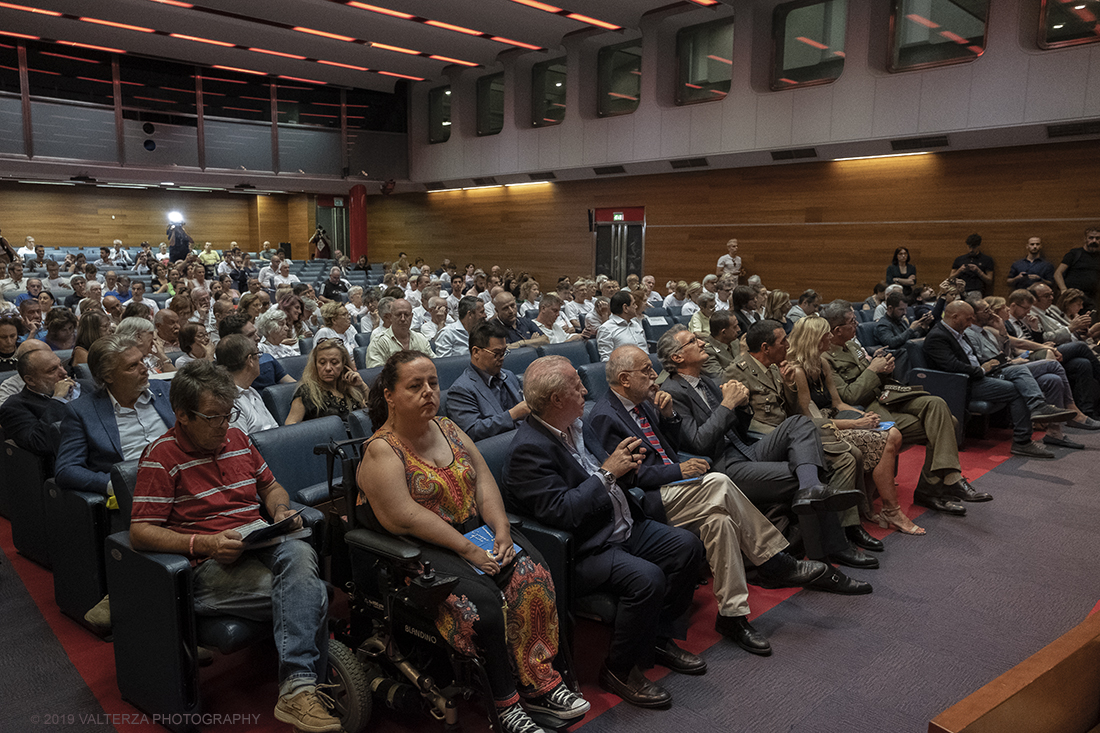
[(332, 214), (620, 242)]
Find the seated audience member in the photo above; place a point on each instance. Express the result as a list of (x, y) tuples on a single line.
[(296, 316), (707, 503), (337, 322), (743, 304), (92, 326), (14, 280), (454, 339), (818, 399), (880, 309), (167, 325), (275, 335), (437, 317), (677, 296), (529, 295), (330, 385), (601, 311), (520, 331), (10, 331), (54, 281), (402, 479), (924, 419), (946, 349), (924, 301), (30, 311), (78, 285), (114, 423), (894, 328), (721, 344), (622, 328), (785, 469), (550, 322), (60, 329), (34, 287), (335, 286), (240, 357), (359, 304), (385, 317), (398, 337), (112, 307), (1081, 365), (564, 478), (140, 331), (93, 274), (1071, 303), (121, 289), (807, 306), (255, 304), (271, 371), (700, 320), (183, 504), (691, 306), (283, 277), (195, 344), (137, 289), (653, 298), (31, 418), (228, 286), (877, 297), (46, 301), (486, 399)]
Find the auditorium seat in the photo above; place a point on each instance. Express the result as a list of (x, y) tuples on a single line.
[(575, 351), (278, 398), (288, 451), (295, 365), (594, 379)]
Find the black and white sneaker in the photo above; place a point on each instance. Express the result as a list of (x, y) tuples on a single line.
[(514, 719), (560, 702)]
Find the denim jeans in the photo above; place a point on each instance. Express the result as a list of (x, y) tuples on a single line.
[(278, 584)]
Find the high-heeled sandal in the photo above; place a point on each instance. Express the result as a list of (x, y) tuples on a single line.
[(897, 519)]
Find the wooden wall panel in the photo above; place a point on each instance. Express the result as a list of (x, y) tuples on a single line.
[(830, 225), (89, 216)]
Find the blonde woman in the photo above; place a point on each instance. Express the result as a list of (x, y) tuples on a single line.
[(818, 397), (330, 385)]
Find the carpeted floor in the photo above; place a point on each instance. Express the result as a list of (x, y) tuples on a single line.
[(950, 612)]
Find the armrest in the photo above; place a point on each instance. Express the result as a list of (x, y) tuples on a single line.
[(556, 548), (79, 523), (953, 388), (392, 548)]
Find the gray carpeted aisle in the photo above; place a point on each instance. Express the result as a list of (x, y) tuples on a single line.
[(950, 612)]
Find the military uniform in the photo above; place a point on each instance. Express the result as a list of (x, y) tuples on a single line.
[(925, 419), (719, 356)]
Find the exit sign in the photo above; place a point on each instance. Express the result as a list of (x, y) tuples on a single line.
[(618, 216)]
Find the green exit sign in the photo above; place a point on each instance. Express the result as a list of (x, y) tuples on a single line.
[(618, 216)]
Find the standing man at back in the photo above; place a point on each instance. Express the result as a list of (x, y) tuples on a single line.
[(1080, 268)]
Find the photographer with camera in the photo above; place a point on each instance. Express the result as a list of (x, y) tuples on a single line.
[(179, 241), (322, 247)]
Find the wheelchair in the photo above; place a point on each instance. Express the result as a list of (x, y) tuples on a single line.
[(389, 650)]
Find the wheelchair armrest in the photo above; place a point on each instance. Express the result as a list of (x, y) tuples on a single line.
[(392, 548), (515, 521)]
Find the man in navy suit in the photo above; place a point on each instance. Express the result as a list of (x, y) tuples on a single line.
[(563, 477), (486, 399), (705, 502), (114, 423), (31, 417)]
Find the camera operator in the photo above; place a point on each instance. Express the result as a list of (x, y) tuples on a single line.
[(319, 240), (179, 242)]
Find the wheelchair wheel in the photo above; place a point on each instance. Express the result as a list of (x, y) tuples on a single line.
[(352, 693)]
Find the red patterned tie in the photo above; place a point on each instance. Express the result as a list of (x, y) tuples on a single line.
[(651, 436)]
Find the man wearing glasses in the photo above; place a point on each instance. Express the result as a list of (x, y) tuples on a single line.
[(240, 356), (486, 399), (199, 483), (399, 336)]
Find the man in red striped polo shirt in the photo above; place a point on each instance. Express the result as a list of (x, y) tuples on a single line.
[(196, 485)]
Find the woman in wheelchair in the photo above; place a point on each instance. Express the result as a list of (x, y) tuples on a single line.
[(423, 478)]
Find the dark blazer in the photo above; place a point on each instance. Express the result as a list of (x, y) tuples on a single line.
[(542, 480), (943, 352), (90, 442), (611, 424), (704, 430), (30, 420), (475, 409)]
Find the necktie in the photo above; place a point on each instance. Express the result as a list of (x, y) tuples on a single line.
[(651, 436)]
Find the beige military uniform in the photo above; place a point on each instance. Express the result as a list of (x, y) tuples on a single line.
[(922, 420), (719, 357)]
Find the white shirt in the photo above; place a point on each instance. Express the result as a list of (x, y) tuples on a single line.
[(452, 340), (671, 301), (288, 280), (528, 310), (254, 415), (721, 305), (731, 266), (57, 283), (348, 337), (11, 386), (616, 332), (429, 330), (152, 304), (555, 333), (279, 351), (138, 426), (452, 304), (689, 308)]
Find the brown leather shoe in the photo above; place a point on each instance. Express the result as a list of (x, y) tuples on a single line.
[(636, 689), (677, 659)]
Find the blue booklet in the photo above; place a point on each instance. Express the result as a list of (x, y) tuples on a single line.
[(484, 537), (885, 425)]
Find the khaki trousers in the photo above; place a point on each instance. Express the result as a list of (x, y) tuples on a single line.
[(729, 525)]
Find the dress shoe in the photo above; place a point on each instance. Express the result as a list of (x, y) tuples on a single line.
[(799, 574), (945, 504), (738, 629), (853, 558), (1050, 413), (1030, 449), (820, 497), (635, 689), (1062, 442), (860, 537), (964, 491), (1087, 424), (835, 581), (679, 660)]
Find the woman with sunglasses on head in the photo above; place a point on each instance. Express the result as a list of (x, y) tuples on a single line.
[(337, 322), (329, 386)]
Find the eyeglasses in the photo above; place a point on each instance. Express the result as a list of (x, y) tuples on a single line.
[(683, 344), (218, 421), (498, 353), (647, 370)]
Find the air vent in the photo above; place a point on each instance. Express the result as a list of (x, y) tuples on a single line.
[(688, 163), (919, 143), (609, 170), (547, 176), (435, 185), (486, 181), (796, 154), (1073, 129)]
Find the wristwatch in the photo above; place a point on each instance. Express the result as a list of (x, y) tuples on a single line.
[(608, 477)]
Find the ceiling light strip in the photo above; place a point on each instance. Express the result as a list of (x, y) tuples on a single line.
[(553, 10)]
